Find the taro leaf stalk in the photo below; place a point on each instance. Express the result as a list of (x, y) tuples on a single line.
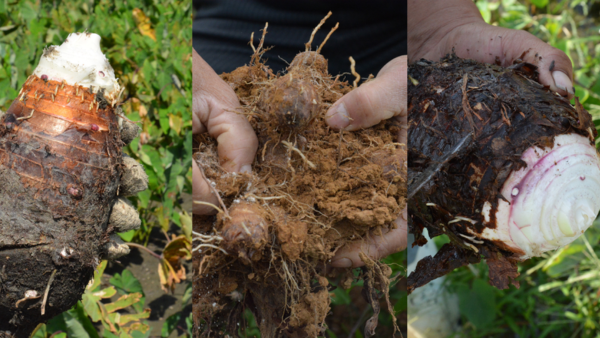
[(499, 163)]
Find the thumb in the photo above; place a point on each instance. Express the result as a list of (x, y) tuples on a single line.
[(374, 101), (491, 44), (216, 110), (554, 66)]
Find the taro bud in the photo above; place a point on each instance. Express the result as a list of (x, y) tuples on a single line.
[(60, 163), (503, 166), (293, 99)]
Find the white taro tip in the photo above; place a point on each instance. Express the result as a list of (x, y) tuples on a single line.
[(79, 61)]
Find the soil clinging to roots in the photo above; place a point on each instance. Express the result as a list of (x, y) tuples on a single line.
[(311, 191)]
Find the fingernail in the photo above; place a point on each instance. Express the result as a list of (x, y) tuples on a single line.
[(246, 169), (338, 117), (563, 82), (342, 263)]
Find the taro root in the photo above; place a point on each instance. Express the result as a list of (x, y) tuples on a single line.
[(499, 163), (61, 198), (311, 190)]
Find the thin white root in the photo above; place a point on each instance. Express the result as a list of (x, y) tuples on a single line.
[(312, 36), (30, 294), (206, 238), (210, 205), (26, 117), (262, 39), (208, 246), (214, 190), (291, 147), (252, 42), (47, 291), (327, 37), (353, 69), (266, 198), (205, 241)]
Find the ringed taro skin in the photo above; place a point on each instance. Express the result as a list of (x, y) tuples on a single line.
[(516, 172), (60, 175)]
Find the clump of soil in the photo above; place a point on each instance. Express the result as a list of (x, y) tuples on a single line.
[(311, 191)]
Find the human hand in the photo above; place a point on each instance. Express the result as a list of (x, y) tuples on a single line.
[(435, 28), (374, 101), (363, 107), (214, 111)]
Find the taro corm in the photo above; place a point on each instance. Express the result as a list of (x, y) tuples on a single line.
[(63, 180), (500, 164)]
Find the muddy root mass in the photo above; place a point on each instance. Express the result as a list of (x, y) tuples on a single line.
[(312, 190)]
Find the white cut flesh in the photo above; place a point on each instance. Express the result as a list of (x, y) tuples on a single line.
[(553, 200), (79, 61)]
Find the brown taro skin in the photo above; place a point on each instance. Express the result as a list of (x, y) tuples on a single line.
[(60, 160), (506, 111), (245, 231)]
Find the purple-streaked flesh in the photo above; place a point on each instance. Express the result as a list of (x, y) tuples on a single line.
[(553, 200)]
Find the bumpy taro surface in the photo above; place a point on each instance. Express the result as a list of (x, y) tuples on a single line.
[(499, 163), (311, 191), (60, 170)]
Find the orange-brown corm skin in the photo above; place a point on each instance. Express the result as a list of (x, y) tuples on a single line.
[(76, 134)]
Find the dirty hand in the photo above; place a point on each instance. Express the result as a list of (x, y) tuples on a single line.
[(374, 101), (369, 104), (435, 27), (214, 111), (124, 216)]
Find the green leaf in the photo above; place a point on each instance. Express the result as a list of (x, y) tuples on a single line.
[(78, 324), (401, 304), (478, 304), (187, 295), (186, 224), (340, 297), (123, 302), (126, 282), (170, 324), (539, 3), (127, 236), (40, 332)]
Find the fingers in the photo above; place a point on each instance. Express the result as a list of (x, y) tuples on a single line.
[(374, 101), (376, 247), (133, 177), (124, 216), (491, 44), (216, 109), (202, 193)]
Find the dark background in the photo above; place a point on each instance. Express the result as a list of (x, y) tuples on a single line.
[(372, 32)]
